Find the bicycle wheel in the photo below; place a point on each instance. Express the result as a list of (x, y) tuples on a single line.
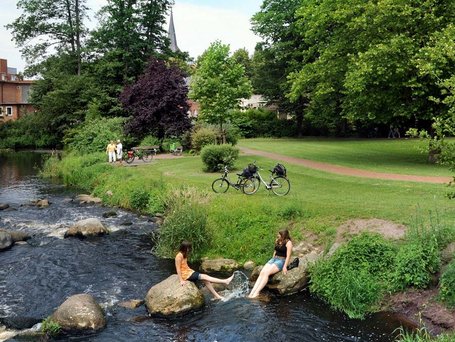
[(129, 158), (147, 156), (220, 185), (280, 186), (250, 186)]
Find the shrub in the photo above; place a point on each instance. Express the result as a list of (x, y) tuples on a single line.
[(94, 135), (201, 137), (150, 140), (186, 219), (215, 157), (139, 199), (415, 262), (447, 285), (50, 328), (353, 279)]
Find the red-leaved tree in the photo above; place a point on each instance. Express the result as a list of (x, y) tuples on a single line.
[(157, 102)]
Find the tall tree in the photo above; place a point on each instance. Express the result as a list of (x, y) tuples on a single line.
[(278, 55), (130, 32), (49, 27), (218, 83), (157, 102)]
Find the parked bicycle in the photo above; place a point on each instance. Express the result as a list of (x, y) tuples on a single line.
[(142, 153), (279, 184), (222, 184)]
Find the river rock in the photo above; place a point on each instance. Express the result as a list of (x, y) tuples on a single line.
[(4, 206), (87, 227), (83, 198), (80, 312), (6, 241), (19, 236), (110, 213), (249, 265), (131, 304), (169, 297), (217, 265), (41, 203)]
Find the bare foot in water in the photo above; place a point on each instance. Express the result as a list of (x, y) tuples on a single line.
[(228, 280)]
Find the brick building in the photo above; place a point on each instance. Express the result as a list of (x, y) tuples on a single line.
[(14, 94)]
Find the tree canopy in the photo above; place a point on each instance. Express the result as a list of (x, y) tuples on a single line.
[(157, 102), (218, 83)]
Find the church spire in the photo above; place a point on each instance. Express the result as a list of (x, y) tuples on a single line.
[(171, 35)]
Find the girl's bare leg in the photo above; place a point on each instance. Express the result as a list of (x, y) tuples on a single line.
[(263, 278), (211, 289), (205, 277)]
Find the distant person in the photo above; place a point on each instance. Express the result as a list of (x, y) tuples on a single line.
[(396, 133), (391, 132), (119, 149), (185, 273), (110, 150), (279, 262)]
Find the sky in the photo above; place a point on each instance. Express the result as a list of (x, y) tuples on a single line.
[(197, 24)]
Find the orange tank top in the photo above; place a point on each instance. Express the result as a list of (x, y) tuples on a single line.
[(185, 270)]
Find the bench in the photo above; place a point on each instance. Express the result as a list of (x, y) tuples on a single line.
[(154, 148), (177, 151)]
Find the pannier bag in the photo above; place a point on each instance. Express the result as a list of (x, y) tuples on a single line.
[(249, 171), (279, 170)]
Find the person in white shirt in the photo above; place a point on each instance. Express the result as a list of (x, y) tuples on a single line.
[(119, 149)]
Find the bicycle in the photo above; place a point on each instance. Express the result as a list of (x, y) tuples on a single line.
[(222, 184), (279, 184), (145, 154)]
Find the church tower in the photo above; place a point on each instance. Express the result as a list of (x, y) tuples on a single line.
[(171, 35)]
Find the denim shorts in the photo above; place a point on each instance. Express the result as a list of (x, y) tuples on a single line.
[(279, 262)]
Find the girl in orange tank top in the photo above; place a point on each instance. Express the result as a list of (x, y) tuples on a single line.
[(186, 273)]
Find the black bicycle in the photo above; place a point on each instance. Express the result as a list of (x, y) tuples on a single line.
[(222, 184), (143, 153)]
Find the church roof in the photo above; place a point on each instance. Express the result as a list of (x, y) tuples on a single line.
[(171, 35)]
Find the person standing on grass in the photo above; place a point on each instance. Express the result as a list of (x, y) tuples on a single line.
[(110, 150), (185, 273), (279, 262), (119, 149)]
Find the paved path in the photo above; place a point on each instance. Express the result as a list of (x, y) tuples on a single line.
[(346, 171)]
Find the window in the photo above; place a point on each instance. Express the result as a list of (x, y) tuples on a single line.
[(9, 111), (1, 111)]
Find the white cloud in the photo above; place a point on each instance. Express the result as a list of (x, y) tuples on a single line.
[(197, 27)]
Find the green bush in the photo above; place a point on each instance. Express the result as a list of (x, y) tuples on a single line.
[(150, 140), (415, 261), (215, 157), (201, 137), (94, 135), (353, 280), (139, 199), (447, 285), (186, 219), (50, 328)]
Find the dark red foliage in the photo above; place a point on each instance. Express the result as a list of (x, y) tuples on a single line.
[(157, 102)]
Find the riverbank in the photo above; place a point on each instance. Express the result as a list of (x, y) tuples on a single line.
[(242, 227)]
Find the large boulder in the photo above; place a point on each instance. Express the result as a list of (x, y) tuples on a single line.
[(83, 198), (4, 206), (219, 265), (79, 312), (294, 281), (169, 297), (19, 236), (86, 228), (6, 241)]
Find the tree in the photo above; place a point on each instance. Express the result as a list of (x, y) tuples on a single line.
[(362, 60), (278, 55), (218, 83), (157, 102), (46, 24)]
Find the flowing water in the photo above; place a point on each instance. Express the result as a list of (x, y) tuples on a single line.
[(36, 277)]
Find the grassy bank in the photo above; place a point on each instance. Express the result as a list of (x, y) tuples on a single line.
[(233, 225)]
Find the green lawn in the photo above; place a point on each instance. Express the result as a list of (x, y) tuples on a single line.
[(402, 156)]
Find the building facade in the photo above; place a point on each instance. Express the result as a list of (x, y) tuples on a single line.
[(14, 94)]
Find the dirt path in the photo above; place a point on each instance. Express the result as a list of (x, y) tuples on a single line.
[(346, 171)]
